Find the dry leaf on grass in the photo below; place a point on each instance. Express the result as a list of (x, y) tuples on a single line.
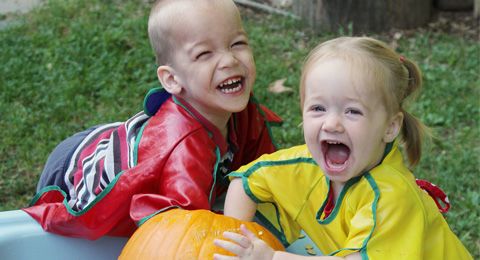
[(396, 37), (278, 87)]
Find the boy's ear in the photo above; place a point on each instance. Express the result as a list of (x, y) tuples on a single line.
[(170, 82), (394, 128)]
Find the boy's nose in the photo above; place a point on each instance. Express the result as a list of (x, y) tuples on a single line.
[(333, 123), (227, 59)]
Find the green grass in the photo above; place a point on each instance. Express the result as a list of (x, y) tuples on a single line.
[(74, 64)]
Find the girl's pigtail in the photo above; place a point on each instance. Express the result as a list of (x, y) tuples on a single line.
[(413, 130), (414, 77)]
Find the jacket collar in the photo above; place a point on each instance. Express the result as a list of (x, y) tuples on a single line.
[(156, 97), (213, 131)]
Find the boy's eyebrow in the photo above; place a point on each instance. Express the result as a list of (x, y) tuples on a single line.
[(190, 47)]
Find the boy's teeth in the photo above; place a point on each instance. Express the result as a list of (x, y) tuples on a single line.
[(230, 82), (231, 90)]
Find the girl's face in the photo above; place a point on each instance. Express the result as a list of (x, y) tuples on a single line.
[(345, 122)]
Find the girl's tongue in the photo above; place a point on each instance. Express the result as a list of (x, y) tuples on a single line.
[(337, 153)]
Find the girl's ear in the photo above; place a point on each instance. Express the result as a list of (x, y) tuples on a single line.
[(169, 79), (394, 127)]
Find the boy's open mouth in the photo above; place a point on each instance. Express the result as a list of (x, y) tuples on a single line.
[(336, 155), (231, 85)]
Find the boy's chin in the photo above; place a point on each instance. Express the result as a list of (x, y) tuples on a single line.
[(237, 107), (237, 103)]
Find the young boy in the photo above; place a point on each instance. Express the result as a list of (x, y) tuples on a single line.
[(202, 124)]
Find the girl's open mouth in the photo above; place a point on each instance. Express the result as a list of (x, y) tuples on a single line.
[(336, 155), (231, 85)]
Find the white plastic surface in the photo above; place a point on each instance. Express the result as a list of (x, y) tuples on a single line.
[(22, 238)]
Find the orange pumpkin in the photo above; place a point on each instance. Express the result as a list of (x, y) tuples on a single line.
[(187, 234)]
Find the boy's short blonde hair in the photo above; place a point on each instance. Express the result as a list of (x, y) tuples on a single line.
[(164, 17), (161, 23)]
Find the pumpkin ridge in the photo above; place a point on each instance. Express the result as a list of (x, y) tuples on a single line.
[(207, 236), (153, 237), (186, 236)]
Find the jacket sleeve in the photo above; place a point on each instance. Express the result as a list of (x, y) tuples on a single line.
[(187, 180), (184, 180), (107, 214), (255, 129)]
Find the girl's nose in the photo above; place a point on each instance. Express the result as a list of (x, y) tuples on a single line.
[(333, 123)]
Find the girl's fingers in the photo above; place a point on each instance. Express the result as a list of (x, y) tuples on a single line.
[(241, 240), (224, 257), (251, 236), (232, 247), (238, 244)]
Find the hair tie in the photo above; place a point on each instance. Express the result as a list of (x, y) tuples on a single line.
[(402, 59)]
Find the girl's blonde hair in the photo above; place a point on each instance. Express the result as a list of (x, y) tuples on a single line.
[(394, 77)]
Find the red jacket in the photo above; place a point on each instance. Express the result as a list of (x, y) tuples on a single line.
[(177, 159)]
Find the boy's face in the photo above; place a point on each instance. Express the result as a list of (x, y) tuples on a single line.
[(345, 123), (212, 59)]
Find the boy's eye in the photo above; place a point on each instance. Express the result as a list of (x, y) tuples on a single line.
[(202, 54)]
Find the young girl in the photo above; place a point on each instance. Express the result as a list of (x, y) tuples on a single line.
[(348, 188)]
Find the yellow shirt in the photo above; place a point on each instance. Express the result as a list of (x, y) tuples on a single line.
[(382, 214)]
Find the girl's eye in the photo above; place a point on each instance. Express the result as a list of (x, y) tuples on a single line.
[(318, 108), (202, 54), (354, 111)]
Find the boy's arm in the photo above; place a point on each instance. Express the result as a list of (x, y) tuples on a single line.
[(254, 130), (108, 214), (186, 181), (266, 143), (152, 186), (237, 203)]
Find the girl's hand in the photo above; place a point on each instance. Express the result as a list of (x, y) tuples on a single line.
[(246, 246)]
